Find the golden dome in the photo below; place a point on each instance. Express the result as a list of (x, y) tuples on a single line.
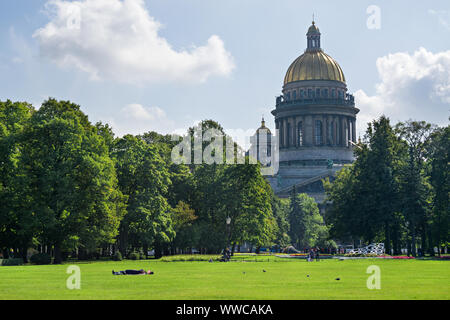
[(314, 65)]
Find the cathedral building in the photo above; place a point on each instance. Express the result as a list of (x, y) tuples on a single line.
[(315, 118)]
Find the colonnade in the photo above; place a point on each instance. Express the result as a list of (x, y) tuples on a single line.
[(316, 130)]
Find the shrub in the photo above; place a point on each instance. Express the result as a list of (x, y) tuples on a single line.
[(193, 257), (143, 256), (11, 262), (41, 258), (134, 256), (117, 256)]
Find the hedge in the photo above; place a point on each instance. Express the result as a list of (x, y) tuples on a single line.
[(11, 262), (41, 258)]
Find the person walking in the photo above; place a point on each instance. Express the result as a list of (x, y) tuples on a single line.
[(311, 254)]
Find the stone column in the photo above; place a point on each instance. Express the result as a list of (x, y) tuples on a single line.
[(343, 131), (333, 136), (286, 133), (350, 130), (280, 132), (294, 132), (334, 130), (329, 139), (347, 121), (308, 131), (354, 130)]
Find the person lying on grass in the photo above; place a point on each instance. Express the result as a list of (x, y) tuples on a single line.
[(132, 272)]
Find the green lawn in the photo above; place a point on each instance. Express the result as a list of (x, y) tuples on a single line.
[(283, 279)]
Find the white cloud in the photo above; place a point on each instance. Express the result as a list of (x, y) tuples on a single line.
[(118, 40), (413, 86), (137, 112), (137, 119)]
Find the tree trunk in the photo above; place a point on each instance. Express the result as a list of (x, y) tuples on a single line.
[(424, 240), (23, 253), (123, 240), (413, 244), (58, 256), (387, 235), (232, 248), (430, 244), (158, 251), (145, 248)]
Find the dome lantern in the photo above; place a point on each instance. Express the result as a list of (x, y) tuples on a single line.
[(314, 63), (313, 37)]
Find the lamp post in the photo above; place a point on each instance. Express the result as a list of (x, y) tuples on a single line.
[(228, 221)]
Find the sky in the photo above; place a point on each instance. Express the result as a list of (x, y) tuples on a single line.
[(163, 65)]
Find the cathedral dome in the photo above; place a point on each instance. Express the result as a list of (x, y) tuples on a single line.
[(314, 64), (263, 127)]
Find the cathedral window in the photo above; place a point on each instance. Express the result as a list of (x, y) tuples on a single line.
[(294, 95), (300, 134), (330, 133), (318, 132)]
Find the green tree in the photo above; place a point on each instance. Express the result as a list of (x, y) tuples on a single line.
[(376, 174), (307, 228), (415, 191), (17, 222), (72, 179), (344, 214), (183, 218), (280, 210), (144, 179), (246, 199), (438, 153), (206, 198)]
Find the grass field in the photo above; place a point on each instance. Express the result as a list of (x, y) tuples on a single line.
[(283, 279)]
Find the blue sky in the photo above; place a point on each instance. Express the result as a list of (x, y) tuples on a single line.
[(223, 60)]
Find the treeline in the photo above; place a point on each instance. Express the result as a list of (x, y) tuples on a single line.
[(397, 191), (70, 188)]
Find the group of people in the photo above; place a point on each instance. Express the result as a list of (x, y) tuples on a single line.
[(226, 256), (314, 253)]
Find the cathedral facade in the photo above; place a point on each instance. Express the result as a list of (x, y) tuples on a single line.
[(315, 118)]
